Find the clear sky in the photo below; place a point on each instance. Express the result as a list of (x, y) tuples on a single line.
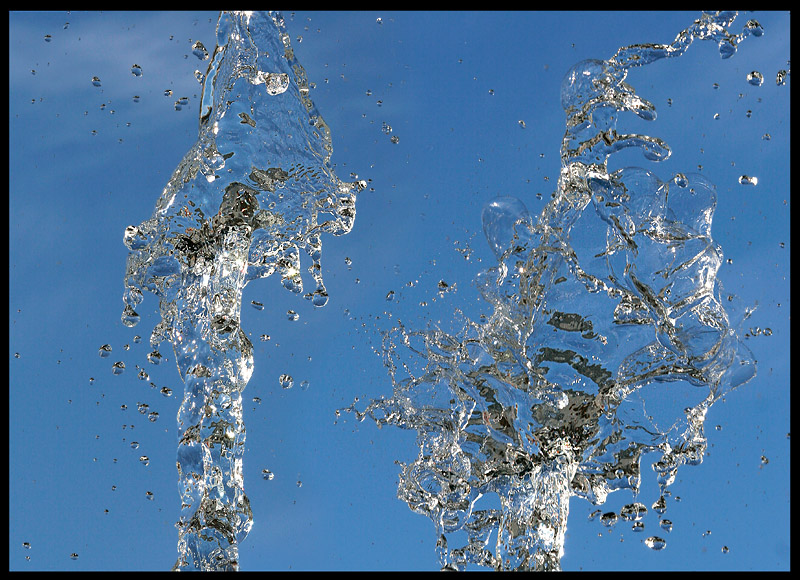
[(86, 161)]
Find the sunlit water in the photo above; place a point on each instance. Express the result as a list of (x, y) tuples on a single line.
[(606, 311), (610, 337), (252, 195)]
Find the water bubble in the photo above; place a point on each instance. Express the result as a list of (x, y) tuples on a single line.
[(136, 70), (105, 350), (96, 81), (267, 474), (755, 78), (655, 543), (681, 180), (277, 83), (747, 180), (118, 368), (286, 381)]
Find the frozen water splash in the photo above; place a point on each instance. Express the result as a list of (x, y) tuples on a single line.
[(252, 195), (608, 339)]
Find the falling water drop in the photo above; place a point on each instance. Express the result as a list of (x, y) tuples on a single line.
[(655, 543), (755, 78)]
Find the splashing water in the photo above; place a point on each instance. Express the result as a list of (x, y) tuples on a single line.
[(254, 191), (607, 341)]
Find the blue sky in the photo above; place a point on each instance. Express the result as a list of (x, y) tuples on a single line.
[(87, 161)]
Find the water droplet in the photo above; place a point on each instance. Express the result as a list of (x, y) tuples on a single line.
[(764, 460), (633, 511), (154, 357), (395, 139), (47, 38), (26, 545), (304, 385), (267, 474), (768, 331), (149, 495), (153, 417), (655, 543), (166, 391), (134, 445), (130, 317), (142, 407), (145, 460), (264, 337), (747, 180), (755, 78), (286, 381), (725, 549), (379, 20), (681, 180), (257, 305), (521, 123), (638, 526), (292, 315), (608, 519), (136, 70), (299, 483), (660, 505), (766, 137), (74, 556), (105, 350), (118, 368), (386, 129), (143, 376), (168, 93), (666, 525), (96, 81), (390, 296), (199, 50), (780, 78)]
